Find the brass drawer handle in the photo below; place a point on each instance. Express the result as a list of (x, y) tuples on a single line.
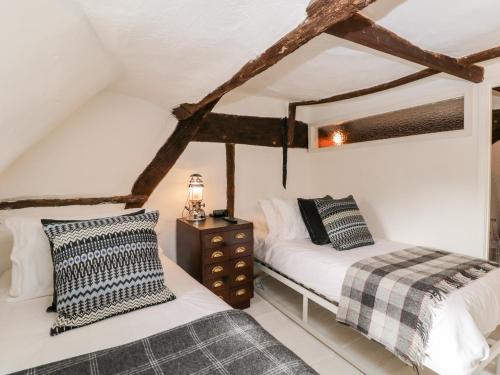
[(218, 284), (240, 292), (217, 269), (240, 264), (240, 236), (241, 250), (217, 254), (217, 239), (240, 278)]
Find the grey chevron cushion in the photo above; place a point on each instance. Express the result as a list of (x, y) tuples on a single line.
[(105, 267), (343, 223)]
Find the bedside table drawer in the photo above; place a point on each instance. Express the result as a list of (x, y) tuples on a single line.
[(215, 270), (240, 278), (232, 237), (217, 285), (241, 293), (240, 250), (241, 264), (218, 254)]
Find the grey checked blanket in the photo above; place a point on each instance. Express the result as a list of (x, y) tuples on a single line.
[(392, 298), (228, 342)]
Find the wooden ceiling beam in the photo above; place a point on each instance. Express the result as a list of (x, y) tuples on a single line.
[(249, 130), (361, 30), (321, 15), (489, 54), (168, 154), (16, 204)]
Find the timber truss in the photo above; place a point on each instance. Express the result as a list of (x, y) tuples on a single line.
[(196, 122)]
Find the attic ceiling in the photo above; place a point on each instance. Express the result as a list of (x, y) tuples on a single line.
[(184, 48), (176, 51)]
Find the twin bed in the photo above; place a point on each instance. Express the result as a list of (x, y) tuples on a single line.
[(458, 342), (26, 344), (199, 333)]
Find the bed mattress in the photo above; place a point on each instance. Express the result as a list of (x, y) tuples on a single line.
[(457, 340), (24, 326)]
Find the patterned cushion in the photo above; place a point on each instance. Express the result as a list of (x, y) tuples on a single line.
[(105, 267), (344, 223), (53, 306)]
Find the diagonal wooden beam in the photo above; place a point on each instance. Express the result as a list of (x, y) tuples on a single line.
[(168, 154), (361, 30), (489, 54), (322, 14), (485, 55)]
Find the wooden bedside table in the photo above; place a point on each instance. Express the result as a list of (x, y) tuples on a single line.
[(220, 256)]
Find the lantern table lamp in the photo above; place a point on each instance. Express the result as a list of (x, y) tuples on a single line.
[(194, 202)]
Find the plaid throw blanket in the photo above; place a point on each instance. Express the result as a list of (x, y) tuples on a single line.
[(228, 342), (391, 298)]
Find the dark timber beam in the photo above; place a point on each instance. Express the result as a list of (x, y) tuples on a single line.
[(230, 169), (471, 59), (168, 154), (322, 14), (59, 202), (292, 113), (361, 30), (248, 130), (371, 90)]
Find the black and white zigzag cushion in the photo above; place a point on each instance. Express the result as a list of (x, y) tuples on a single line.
[(344, 223), (105, 267)]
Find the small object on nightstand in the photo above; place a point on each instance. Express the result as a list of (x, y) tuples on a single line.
[(219, 213), (230, 219), (219, 254)]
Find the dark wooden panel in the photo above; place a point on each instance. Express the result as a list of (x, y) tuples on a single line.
[(59, 202), (249, 130), (430, 118)]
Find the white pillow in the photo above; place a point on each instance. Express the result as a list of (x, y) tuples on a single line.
[(291, 224), (32, 269), (272, 217)]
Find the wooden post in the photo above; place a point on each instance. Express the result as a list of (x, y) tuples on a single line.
[(230, 169)]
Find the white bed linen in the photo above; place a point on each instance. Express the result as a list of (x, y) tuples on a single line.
[(457, 340), (24, 326)]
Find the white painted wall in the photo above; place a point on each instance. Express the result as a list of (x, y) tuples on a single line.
[(51, 62), (425, 190), (102, 148)]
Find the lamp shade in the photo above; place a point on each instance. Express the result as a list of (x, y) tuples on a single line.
[(195, 188)]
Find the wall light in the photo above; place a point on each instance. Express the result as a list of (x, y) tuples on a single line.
[(338, 138)]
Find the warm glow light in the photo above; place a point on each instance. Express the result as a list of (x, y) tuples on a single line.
[(196, 193), (195, 188), (338, 138)]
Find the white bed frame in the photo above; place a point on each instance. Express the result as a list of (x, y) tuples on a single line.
[(303, 320)]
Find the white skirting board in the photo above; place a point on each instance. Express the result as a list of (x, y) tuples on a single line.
[(301, 316)]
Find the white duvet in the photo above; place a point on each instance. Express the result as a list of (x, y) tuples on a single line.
[(24, 326), (457, 340)]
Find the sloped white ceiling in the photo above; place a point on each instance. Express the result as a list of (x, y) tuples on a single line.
[(51, 62), (179, 50), (57, 54)]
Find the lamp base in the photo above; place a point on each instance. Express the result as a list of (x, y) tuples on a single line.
[(195, 212)]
